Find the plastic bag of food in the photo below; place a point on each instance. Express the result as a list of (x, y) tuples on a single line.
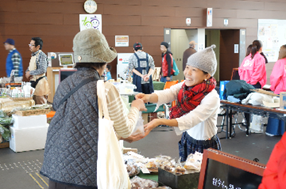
[(194, 162), (139, 128), (137, 182)]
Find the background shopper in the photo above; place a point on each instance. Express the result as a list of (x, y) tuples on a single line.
[(36, 71), (167, 63), (14, 59), (142, 65)]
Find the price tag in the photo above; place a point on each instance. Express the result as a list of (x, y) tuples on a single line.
[(144, 169)]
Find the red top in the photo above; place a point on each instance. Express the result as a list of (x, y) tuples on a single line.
[(274, 176)]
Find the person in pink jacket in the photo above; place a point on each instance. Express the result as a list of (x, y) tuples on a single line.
[(278, 75), (275, 127), (252, 69)]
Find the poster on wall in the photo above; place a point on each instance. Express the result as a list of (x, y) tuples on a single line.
[(121, 41), (122, 65), (87, 21), (272, 34), (209, 17)]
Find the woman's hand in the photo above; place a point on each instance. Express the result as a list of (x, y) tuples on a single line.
[(151, 125), (144, 97), (139, 104), (134, 138)]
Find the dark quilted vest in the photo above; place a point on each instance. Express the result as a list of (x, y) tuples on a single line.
[(71, 147)]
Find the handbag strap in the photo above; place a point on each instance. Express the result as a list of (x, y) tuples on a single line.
[(102, 102), (90, 79)]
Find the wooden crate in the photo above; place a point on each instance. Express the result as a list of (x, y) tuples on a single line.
[(32, 112), (4, 144)]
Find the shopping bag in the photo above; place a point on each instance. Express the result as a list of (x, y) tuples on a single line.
[(175, 68), (111, 171), (256, 125)]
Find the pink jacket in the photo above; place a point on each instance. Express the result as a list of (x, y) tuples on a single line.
[(253, 70), (278, 77)]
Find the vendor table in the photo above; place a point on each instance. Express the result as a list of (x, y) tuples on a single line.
[(151, 176), (257, 110)]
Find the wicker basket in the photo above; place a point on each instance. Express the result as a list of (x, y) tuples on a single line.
[(21, 98), (32, 112)]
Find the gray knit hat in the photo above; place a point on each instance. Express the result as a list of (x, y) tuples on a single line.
[(91, 46), (204, 60)]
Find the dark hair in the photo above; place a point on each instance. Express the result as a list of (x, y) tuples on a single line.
[(38, 41), (256, 45), (137, 46), (248, 50), (205, 72), (89, 65), (109, 67)]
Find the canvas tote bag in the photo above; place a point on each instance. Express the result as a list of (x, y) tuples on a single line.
[(111, 171)]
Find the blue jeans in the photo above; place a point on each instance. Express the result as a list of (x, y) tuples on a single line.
[(163, 79)]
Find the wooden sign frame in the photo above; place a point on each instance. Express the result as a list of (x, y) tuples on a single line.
[(231, 160)]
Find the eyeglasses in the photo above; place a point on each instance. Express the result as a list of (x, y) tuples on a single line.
[(31, 45)]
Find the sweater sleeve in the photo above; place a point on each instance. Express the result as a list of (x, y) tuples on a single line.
[(124, 123)]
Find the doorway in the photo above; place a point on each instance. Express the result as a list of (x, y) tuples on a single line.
[(224, 39)]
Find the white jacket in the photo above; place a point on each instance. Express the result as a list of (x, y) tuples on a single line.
[(199, 123)]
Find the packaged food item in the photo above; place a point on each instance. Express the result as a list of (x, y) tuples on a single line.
[(194, 162), (137, 182), (180, 170), (132, 169)]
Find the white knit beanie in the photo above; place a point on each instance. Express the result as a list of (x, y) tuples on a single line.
[(204, 60)]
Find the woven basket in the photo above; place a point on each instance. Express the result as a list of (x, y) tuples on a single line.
[(32, 112)]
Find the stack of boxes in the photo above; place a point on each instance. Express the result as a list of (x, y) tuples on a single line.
[(28, 133)]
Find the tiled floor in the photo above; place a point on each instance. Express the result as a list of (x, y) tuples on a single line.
[(21, 170)]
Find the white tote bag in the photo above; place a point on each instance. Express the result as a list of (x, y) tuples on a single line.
[(111, 171)]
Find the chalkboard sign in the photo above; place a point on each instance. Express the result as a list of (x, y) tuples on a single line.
[(225, 171)]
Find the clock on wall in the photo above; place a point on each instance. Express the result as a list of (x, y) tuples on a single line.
[(90, 6)]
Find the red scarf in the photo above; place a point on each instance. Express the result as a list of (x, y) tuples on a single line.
[(190, 97)]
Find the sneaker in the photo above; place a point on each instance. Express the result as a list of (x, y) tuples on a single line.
[(268, 134)]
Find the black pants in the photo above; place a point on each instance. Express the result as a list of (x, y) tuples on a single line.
[(57, 185)]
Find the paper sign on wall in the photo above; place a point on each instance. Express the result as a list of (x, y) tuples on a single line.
[(235, 48), (87, 21), (209, 17), (121, 41)]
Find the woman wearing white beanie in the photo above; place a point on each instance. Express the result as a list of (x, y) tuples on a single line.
[(195, 115)]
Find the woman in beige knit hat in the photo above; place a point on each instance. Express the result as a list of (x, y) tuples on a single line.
[(71, 152)]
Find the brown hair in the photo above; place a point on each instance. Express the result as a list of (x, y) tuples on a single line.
[(248, 50), (282, 52), (256, 45)]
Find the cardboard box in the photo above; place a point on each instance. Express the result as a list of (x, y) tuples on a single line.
[(187, 181), (28, 139), (23, 122)]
